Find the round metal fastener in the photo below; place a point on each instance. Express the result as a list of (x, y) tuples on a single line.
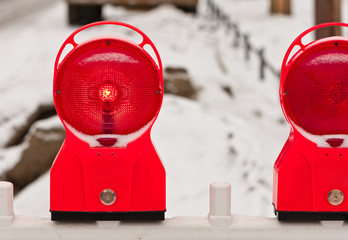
[(107, 197), (335, 197)]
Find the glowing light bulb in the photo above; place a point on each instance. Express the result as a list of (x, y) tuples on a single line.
[(107, 93)]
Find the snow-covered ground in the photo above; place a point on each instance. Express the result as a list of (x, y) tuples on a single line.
[(214, 138)]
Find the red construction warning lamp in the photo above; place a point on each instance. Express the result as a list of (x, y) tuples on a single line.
[(311, 173), (108, 92)]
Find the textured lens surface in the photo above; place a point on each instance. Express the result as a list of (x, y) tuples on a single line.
[(315, 93), (107, 87)]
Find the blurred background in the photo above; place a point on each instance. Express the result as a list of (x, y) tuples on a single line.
[(220, 120)]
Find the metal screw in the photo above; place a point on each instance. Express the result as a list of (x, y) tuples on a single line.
[(335, 197), (157, 92), (108, 197), (58, 91)]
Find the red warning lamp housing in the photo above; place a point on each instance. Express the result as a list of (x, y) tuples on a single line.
[(311, 173), (108, 92)]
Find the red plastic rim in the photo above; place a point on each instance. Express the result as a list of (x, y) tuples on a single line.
[(108, 86), (315, 91)]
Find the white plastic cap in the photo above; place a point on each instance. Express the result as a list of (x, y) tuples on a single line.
[(6, 199), (220, 203)]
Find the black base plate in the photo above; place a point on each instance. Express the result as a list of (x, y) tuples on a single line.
[(292, 216), (108, 216)]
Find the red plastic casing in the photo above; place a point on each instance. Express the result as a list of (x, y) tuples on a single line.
[(306, 171), (134, 172)]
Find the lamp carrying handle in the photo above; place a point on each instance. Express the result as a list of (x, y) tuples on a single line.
[(298, 40), (70, 40)]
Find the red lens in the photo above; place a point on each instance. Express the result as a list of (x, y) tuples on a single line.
[(315, 93), (108, 87)]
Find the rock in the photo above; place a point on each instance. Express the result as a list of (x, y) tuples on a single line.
[(177, 82), (228, 91), (43, 142), (42, 112)]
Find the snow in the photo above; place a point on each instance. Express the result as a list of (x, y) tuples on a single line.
[(109, 57), (122, 140), (34, 199), (29, 47), (322, 141), (10, 156), (329, 58), (46, 124), (217, 137)]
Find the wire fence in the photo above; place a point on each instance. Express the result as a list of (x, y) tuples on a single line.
[(232, 28)]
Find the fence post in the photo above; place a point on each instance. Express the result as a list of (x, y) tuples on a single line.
[(221, 17), (212, 9), (225, 22), (208, 2), (261, 53), (228, 24), (236, 35), (218, 13), (247, 46), (207, 5)]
